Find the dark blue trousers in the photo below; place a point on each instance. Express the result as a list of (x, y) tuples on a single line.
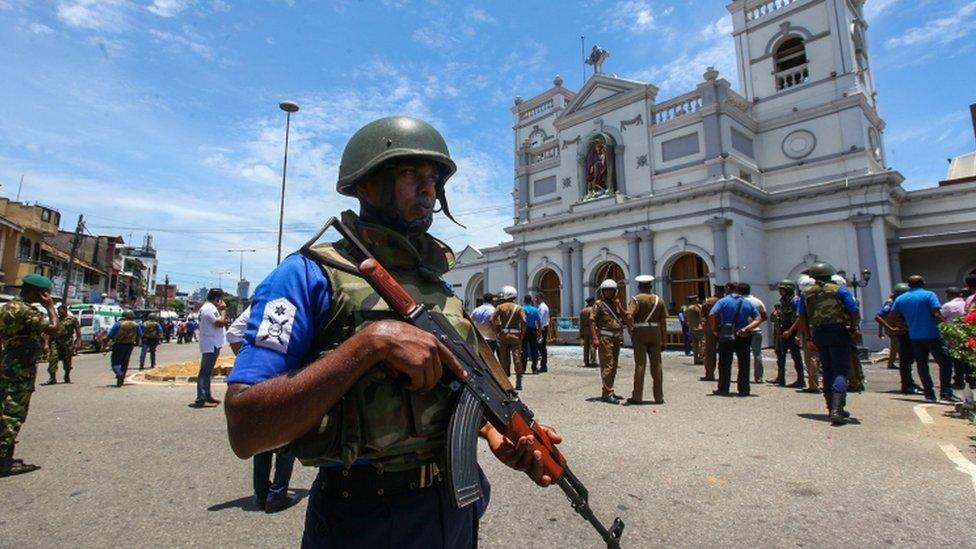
[(788, 345), (421, 519), (121, 353), (833, 343), (264, 487), (906, 359), (922, 349)]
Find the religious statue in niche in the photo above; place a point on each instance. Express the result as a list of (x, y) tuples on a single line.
[(599, 168)]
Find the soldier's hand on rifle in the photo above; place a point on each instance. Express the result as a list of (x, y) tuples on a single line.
[(413, 353), (521, 455)]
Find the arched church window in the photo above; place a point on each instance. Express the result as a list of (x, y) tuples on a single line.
[(790, 61)]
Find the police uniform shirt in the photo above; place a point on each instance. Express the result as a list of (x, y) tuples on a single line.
[(288, 308), (726, 309)]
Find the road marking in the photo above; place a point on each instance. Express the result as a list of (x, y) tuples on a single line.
[(963, 465), (923, 415)]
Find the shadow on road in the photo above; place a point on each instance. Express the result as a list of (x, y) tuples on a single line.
[(246, 503), (826, 419)]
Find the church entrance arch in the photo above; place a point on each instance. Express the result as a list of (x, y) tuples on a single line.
[(548, 284), (610, 270), (475, 290), (688, 275)]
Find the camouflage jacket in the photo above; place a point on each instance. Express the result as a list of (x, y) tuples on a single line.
[(66, 327), (21, 324)]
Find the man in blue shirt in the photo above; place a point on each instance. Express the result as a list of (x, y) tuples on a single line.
[(743, 317), (533, 323), (310, 352), (921, 310), (829, 317)]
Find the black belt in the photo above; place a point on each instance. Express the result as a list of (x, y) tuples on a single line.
[(367, 481)]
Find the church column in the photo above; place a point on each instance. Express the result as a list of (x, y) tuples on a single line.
[(566, 297), (633, 260), (720, 242), (577, 260), (522, 200), (522, 272), (867, 258), (618, 168), (894, 263), (484, 277), (647, 257)]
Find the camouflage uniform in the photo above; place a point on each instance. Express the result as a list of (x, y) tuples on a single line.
[(21, 328), (61, 348), (607, 318)]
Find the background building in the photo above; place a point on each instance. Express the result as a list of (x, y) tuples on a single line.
[(716, 184)]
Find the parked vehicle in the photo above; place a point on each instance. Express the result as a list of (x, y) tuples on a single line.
[(95, 319)]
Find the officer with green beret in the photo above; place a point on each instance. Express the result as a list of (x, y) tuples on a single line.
[(326, 369), (829, 318), (63, 346), (22, 328)]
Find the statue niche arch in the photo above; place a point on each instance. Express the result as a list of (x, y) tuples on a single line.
[(597, 158)]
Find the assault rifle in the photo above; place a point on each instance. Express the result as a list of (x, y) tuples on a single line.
[(482, 396)]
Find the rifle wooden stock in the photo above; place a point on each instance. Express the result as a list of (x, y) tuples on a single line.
[(553, 462), (384, 284)]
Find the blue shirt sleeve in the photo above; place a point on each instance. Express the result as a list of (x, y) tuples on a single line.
[(883, 312), (139, 331), (288, 310), (847, 298), (718, 307), (933, 301), (113, 330), (801, 306)]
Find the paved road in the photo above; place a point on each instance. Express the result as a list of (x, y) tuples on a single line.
[(136, 467)]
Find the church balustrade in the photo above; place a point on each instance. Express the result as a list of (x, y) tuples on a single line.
[(538, 109), (542, 155), (766, 8), (679, 106), (792, 77)]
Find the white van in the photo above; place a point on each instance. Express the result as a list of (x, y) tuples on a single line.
[(95, 319)]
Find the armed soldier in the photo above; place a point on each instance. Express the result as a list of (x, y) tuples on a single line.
[(784, 317), (810, 359), (325, 368), (22, 327), (152, 332), (693, 317), (585, 317), (647, 323), (606, 330), (62, 347), (829, 317), (509, 322)]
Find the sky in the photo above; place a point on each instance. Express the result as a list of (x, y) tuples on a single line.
[(161, 116)]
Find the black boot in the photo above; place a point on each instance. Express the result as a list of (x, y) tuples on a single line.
[(50, 381), (119, 380), (836, 409), (518, 382), (67, 376), (10, 467), (843, 407)]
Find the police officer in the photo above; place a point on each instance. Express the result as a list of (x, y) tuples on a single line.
[(585, 317), (152, 331), (509, 322), (693, 317), (22, 328), (647, 323), (361, 397), (62, 347), (606, 330), (783, 318), (829, 317), (710, 343), (125, 336)]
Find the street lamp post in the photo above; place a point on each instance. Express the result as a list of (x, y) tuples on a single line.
[(862, 351), (289, 107), (242, 251), (220, 279)]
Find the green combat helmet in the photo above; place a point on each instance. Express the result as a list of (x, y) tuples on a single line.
[(899, 289), (388, 139), (128, 315), (787, 284), (821, 271)]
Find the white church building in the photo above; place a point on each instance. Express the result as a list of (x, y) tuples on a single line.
[(717, 184)]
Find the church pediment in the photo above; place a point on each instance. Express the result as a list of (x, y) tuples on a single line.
[(602, 89), (469, 254)]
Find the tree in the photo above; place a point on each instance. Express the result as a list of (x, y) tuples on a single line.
[(176, 305)]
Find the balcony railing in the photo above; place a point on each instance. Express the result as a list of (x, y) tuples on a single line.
[(792, 77), (767, 8), (679, 106), (544, 154), (538, 109)]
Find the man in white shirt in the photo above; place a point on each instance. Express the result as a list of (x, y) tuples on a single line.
[(757, 338), (540, 303), (212, 338), (482, 321)]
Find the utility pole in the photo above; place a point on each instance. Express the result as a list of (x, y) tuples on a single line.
[(242, 251), (75, 242)]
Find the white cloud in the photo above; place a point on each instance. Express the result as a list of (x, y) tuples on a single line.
[(219, 5), (433, 37), (720, 28), (481, 16), (102, 15), (683, 73), (632, 15), (188, 40), (169, 8), (940, 30), (38, 28), (875, 8)]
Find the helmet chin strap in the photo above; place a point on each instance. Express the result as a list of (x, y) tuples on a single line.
[(442, 198)]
